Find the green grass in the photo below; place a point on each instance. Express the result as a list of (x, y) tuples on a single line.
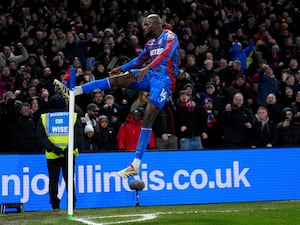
[(258, 213)]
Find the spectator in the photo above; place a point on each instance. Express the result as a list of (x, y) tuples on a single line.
[(287, 97), (236, 67), (113, 111), (263, 131), (100, 71), (8, 108), (207, 72), (267, 84), (31, 91), (225, 72), (98, 98), (129, 132), (25, 136), (253, 74), (58, 63), (59, 38), (6, 81), (97, 45), (216, 49), (37, 106), (91, 116), (127, 45), (191, 122), (89, 143), (222, 93), (293, 66), (288, 130), (106, 136), (295, 106), (165, 127), (238, 52), (274, 108), (237, 120), (32, 61), (182, 79), (46, 80), (141, 101), (74, 48), (213, 125), (287, 80), (241, 85), (22, 79), (13, 68), (297, 81), (275, 59), (219, 99), (191, 91), (7, 55), (193, 70)]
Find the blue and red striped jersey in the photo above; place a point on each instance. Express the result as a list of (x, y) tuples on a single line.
[(161, 54)]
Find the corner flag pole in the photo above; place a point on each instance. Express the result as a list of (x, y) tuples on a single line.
[(71, 143)]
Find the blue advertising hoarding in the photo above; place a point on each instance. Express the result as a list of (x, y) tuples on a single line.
[(170, 177)]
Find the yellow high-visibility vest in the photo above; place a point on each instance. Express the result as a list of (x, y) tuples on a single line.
[(56, 126), (249, 59)]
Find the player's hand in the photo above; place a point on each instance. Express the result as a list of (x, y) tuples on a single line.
[(115, 71), (141, 73)]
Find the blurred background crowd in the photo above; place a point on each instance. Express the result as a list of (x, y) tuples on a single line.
[(238, 84)]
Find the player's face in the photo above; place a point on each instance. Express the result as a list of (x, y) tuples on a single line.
[(148, 28)]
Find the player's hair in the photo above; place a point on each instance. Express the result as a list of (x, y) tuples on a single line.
[(154, 18)]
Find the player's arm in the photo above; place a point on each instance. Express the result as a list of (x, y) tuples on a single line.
[(137, 62)]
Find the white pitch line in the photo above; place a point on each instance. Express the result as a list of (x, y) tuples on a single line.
[(150, 216), (144, 218)]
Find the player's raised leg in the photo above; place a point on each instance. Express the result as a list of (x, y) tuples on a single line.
[(122, 80)]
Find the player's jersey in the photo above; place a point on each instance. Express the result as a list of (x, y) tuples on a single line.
[(161, 52)]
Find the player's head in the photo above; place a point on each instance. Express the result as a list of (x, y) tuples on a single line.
[(152, 25)]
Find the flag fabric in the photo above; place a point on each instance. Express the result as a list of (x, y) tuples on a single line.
[(72, 77), (66, 78), (69, 78)]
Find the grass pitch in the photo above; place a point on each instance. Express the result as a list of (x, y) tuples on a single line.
[(258, 213)]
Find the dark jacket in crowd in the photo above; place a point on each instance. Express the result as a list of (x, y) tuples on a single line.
[(193, 118), (263, 133), (106, 139), (88, 145), (165, 121), (236, 135), (7, 120), (289, 136), (25, 135), (275, 112)]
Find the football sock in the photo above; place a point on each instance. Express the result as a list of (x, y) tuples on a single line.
[(143, 142), (103, 84), (136, 163)]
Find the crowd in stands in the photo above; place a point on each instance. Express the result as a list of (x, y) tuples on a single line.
[(238, 85)]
